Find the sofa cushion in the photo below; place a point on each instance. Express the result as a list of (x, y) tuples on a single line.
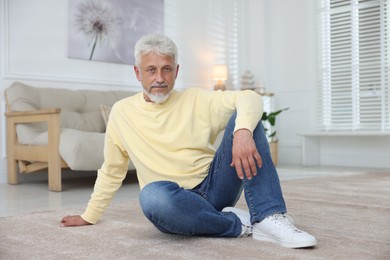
[(82, 150), (80, 108)]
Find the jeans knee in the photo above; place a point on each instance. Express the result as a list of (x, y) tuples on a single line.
[(155, 198)]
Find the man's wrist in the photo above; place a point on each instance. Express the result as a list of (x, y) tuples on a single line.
[(240, 129)]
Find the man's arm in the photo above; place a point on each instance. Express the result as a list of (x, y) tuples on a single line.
[(246, 158), (109, 180)]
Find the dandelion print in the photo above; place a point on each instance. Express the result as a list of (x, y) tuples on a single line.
[(99, 21)]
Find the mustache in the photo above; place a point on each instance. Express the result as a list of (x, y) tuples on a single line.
[(159, 85)]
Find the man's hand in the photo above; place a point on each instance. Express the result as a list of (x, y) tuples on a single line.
[(245, 154), (73, 221)]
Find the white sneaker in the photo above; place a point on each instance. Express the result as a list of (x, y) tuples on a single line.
[(289, 218), (278, 229), (245, 218)]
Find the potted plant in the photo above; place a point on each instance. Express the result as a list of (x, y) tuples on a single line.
[(269, 120)]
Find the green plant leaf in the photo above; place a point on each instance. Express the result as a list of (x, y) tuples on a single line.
[(271, 119), (264, 117)]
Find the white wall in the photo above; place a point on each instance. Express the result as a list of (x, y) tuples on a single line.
[(290, 70)]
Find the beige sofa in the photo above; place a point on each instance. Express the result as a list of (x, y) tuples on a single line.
[(56, 128)]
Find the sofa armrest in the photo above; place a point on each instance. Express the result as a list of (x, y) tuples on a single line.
[(49, 116), (33, 116), (44, 154)]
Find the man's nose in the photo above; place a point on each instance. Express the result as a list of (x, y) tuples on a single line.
[(159, 76)]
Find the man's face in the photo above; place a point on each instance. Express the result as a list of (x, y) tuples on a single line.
[(157, 74)]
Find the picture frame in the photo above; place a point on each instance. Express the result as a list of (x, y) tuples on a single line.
[(107, 30)]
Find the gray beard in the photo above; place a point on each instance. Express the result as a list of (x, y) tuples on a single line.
[(158, 98)]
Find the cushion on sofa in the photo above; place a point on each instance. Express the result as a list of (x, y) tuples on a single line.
[(80, 108), (84, 154), (82, 150)]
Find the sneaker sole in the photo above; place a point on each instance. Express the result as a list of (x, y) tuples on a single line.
[(302, 244)]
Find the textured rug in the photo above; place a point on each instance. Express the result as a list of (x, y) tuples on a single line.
[(349, 215)]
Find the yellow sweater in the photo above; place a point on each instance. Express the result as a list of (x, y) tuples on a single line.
[(170, 141)]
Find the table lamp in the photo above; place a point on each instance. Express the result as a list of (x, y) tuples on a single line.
[(220, 74)]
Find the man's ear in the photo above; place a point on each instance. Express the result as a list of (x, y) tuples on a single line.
[(137, 73), (177, 70)]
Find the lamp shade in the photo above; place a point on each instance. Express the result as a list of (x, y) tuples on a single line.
[(220, 72)]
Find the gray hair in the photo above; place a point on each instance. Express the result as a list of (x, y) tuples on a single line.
[(158, 43)]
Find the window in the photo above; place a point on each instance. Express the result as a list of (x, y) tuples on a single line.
[(224, 34), (354, 65)]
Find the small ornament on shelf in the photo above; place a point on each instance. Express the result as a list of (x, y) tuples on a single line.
[(247, 81), (259, 87)]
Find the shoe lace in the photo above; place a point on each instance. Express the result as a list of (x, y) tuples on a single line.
[(281, 220), (247, 231)]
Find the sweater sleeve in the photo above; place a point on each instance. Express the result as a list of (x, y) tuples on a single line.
[(249, 106), (247, 103), (109, 180)]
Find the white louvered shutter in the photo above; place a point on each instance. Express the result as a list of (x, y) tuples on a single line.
[(354, 51)]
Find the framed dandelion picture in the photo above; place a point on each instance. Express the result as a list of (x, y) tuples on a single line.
[(107, 30)]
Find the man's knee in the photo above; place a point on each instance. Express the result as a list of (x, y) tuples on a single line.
[(157, 196)]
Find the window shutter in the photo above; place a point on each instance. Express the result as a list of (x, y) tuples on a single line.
[(354, 87)]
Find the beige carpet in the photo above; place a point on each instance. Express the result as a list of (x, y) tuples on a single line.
[(349, 215)]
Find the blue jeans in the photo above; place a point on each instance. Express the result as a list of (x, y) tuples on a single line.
[(175, 210)]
